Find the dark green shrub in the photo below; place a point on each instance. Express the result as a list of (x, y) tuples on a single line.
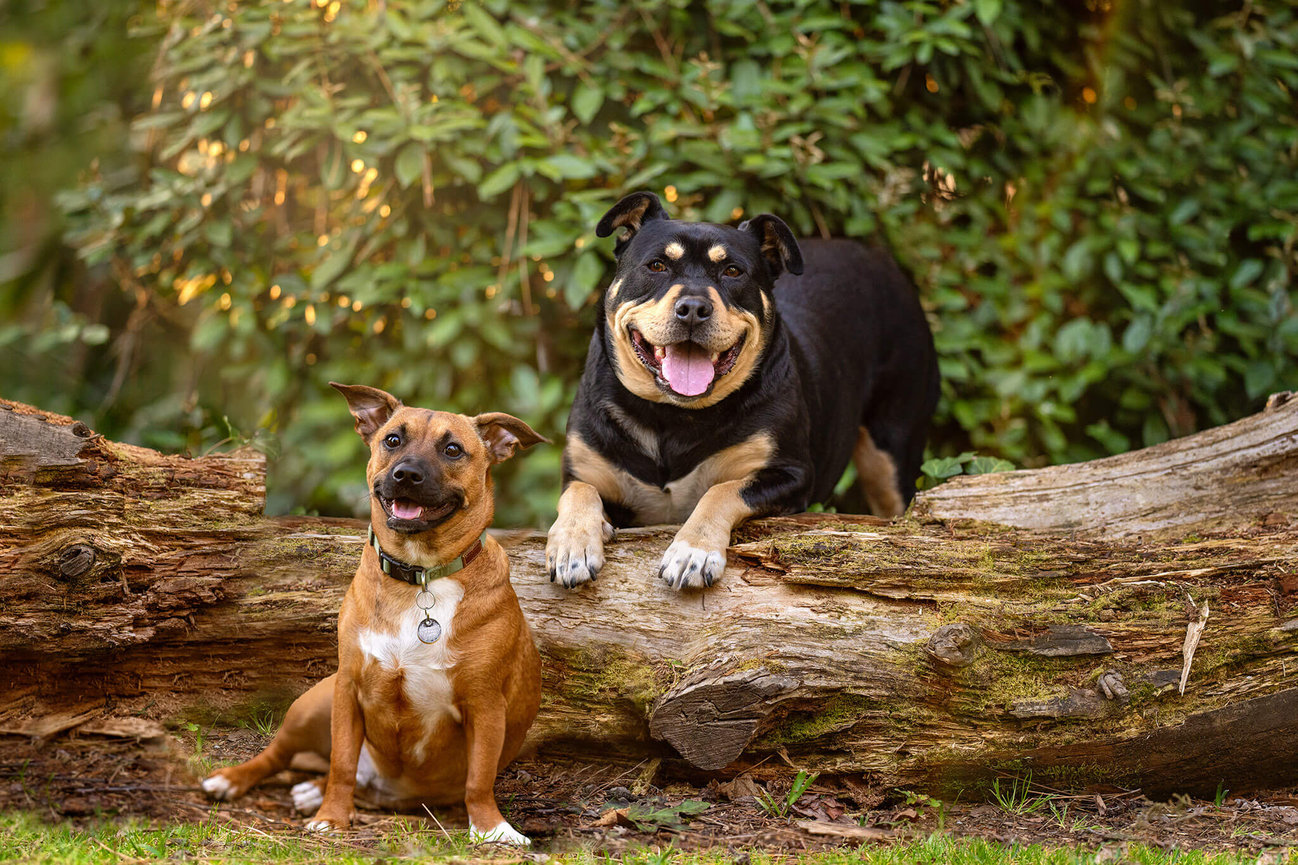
[(1098, 202)]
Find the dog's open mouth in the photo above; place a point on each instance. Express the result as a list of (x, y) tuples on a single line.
[(687, 368), (409, 515)]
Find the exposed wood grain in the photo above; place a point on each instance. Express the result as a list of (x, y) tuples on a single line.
[(1220, 477)]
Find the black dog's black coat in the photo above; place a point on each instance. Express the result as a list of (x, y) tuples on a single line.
[(848, 346)]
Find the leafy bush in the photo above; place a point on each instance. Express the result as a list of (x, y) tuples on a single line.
[(1098, 202)]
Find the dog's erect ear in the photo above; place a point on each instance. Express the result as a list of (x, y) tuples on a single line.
[(777, 241), (504, 432), (630, 214), (370, 406)]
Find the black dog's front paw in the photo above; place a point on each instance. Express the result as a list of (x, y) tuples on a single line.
[(574, 552), (687, 566)]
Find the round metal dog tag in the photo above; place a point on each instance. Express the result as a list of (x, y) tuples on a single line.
[(430, 631)]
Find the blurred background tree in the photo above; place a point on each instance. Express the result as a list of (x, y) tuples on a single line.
[(1098, 200)]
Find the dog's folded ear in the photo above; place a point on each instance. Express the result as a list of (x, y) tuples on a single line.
[(630, 214), (502, 433), (779, 246), (370, 406)]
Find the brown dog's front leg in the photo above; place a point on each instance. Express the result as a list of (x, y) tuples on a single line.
[(484, 729), (348, 726)]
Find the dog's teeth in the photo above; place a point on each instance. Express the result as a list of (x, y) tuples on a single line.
[(715, 356), (659, 352)]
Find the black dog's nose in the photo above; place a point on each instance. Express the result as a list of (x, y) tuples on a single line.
[(692, 310), (408, 472)]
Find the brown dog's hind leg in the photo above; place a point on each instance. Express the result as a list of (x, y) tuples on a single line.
[(877, 474), (347, 735), (305, 728)]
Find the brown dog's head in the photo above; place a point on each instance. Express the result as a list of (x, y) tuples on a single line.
[(429, 471)]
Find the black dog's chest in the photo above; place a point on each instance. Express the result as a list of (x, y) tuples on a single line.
[(664, 478)]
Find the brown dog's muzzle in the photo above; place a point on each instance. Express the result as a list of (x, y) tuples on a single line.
[(414, 496)]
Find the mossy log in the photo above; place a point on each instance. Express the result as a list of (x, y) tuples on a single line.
[(926, 653)]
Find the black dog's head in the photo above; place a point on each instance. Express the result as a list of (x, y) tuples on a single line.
[(689, 309)]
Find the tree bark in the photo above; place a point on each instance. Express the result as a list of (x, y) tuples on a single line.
[(930, 653)]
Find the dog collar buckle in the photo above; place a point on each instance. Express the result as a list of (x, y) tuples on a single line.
[(417, 576)]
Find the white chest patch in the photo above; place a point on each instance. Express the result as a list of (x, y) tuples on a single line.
[(423, 666)]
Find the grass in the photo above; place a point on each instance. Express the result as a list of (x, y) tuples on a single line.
[(25, 838), (1016, 796), (775, 806)]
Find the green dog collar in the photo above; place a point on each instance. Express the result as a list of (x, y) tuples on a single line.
[(417, 576)]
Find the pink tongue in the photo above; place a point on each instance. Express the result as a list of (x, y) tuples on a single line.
[(687, 368), (404, 509)]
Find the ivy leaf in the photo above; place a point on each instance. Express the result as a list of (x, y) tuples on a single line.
[(987, 465), (942, 468)]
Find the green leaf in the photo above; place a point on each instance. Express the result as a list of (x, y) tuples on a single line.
[(988, 465), (585, 275), (1248, 271), (942, 467), (567, 166), (409, 165), (499, 180), (1077, 261), (1259, 377), (1136, 336), (586, 101), (987, 11), (220, 233)]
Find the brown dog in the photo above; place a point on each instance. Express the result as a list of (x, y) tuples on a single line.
[(436, 686)]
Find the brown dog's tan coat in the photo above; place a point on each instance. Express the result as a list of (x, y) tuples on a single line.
[(421, 723)]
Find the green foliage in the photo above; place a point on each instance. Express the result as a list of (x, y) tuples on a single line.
[(655, 816), (1098, 203), (776, 806), (934, 471), (1017, 796)]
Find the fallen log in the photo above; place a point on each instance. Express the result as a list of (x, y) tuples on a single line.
[(931, 653)]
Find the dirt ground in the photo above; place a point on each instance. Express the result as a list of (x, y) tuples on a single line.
[(78, 778)]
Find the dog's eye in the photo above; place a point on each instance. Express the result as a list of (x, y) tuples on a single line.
[(657, 266), (392, 441), (732, 270), (453, 451)]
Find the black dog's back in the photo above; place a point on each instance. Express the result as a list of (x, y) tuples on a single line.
[(864, 354)]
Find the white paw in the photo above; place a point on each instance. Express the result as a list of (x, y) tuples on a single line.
[(687, 566), (574, 553), (307, 797), (502, 834), (321, 826), (219, 787)]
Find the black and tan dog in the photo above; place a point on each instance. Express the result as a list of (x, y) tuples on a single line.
[(438, 679), (712, 393)]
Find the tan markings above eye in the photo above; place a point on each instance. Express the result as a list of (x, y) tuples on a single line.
[(674, 250)]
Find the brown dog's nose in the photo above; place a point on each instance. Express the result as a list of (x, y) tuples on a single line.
[(692, 310), (407, 472)]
